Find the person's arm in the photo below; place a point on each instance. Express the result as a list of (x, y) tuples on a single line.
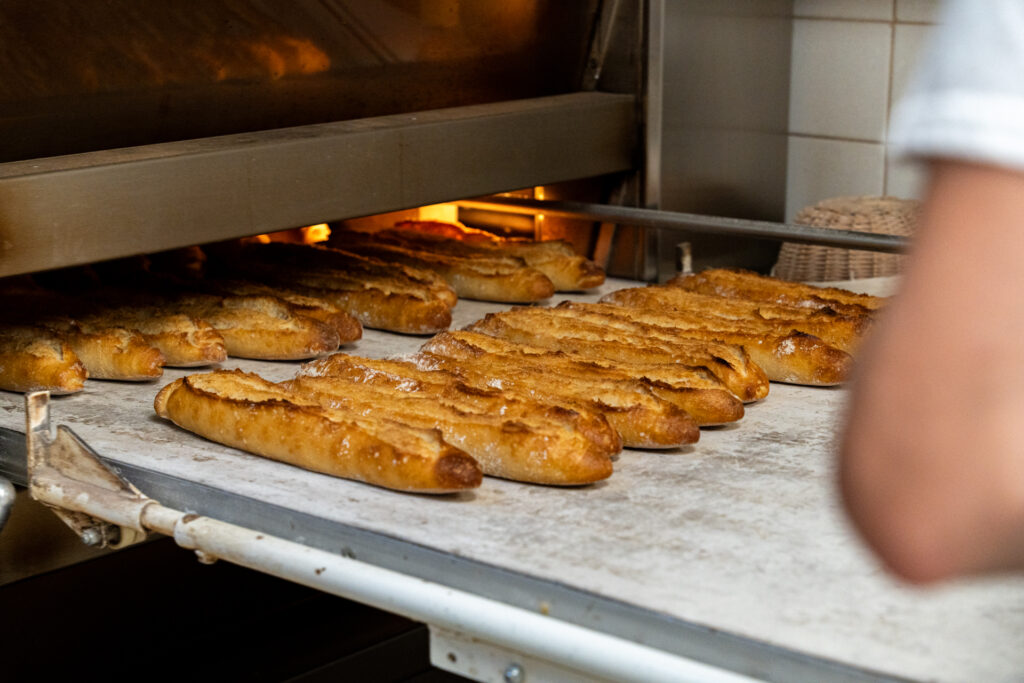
[(932, 455)]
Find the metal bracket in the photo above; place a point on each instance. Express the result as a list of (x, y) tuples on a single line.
[(66, 475)]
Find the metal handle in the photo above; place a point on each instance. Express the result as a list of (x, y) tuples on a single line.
[(692, 222)]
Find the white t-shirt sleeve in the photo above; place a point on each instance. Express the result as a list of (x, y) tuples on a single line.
[(967, 98)]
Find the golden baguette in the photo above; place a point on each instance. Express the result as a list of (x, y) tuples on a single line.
[(642, 419), (555, 258), (537, 327), (347, 325), (790, 357), (401, 302), (744, 284), (184, 341), (113, 352), (486, 279), (36, 359), (276, 257), (695, 390), (715, 312), (245, 411), (260, 327), (524, 448), (405, 376)]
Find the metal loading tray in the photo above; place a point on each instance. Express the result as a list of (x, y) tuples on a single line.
[(732, 552)]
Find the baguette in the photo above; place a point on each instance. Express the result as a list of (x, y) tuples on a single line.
[(567, 271), (388, 276), (486, 279), (245, 411), (526, 448), (184, 341), (695, 390), (716, 312), (537, 327), (345, 324), (404, 302), (113, 352), (642, 419), (743, 284), (35, 359), (790, 356), (260, 327), (403, 375)]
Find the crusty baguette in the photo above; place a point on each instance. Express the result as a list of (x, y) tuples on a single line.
[(184, 341), (785, 355), (695, 390), (347, 325), (403, 375), (385, 275), (567, 270), (248, 412), (725, 313), (260, 327), (114, 352), (537, 327), (744, 284), (405, 301), (642, 419), (526, 448), (487, 279), (36, 359)]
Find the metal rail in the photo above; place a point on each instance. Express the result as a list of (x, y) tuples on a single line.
[(692, 222)]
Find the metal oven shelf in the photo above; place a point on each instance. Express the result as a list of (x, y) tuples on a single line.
[(731, 553)]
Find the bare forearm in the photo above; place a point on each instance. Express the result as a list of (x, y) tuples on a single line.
[(932, 459)]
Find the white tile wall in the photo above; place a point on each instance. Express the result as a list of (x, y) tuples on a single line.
[(851, 60)]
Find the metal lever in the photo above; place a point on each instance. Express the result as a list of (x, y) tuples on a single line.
[(67, 476)]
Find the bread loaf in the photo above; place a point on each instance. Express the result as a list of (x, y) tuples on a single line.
[(743, 284), (695, 390), (528, 448), (35, 359), (247, 412), (403, 375), (538, 327), (785, 356)]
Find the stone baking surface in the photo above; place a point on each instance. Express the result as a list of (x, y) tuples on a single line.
[(741, 532)]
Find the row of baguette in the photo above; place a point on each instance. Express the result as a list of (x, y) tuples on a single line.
[(547, 395), (265, 301)]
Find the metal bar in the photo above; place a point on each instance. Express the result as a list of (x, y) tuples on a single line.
[(83, 208), (585, 651), (691, 222)]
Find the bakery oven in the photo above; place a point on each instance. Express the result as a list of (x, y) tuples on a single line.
[(626, 128)]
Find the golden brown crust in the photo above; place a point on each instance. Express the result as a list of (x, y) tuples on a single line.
[(715, 312), (114, 352), (35, 359), (403, 375), (526, 447), (785, 355), (499, 278), (347, 326), (379, 295), (555, 258), (537, 327), (260, 327), (247, 412), (184, 341), (694, 390), (743, 284)]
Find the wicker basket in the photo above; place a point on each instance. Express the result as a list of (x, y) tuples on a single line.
[(880, 215)]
